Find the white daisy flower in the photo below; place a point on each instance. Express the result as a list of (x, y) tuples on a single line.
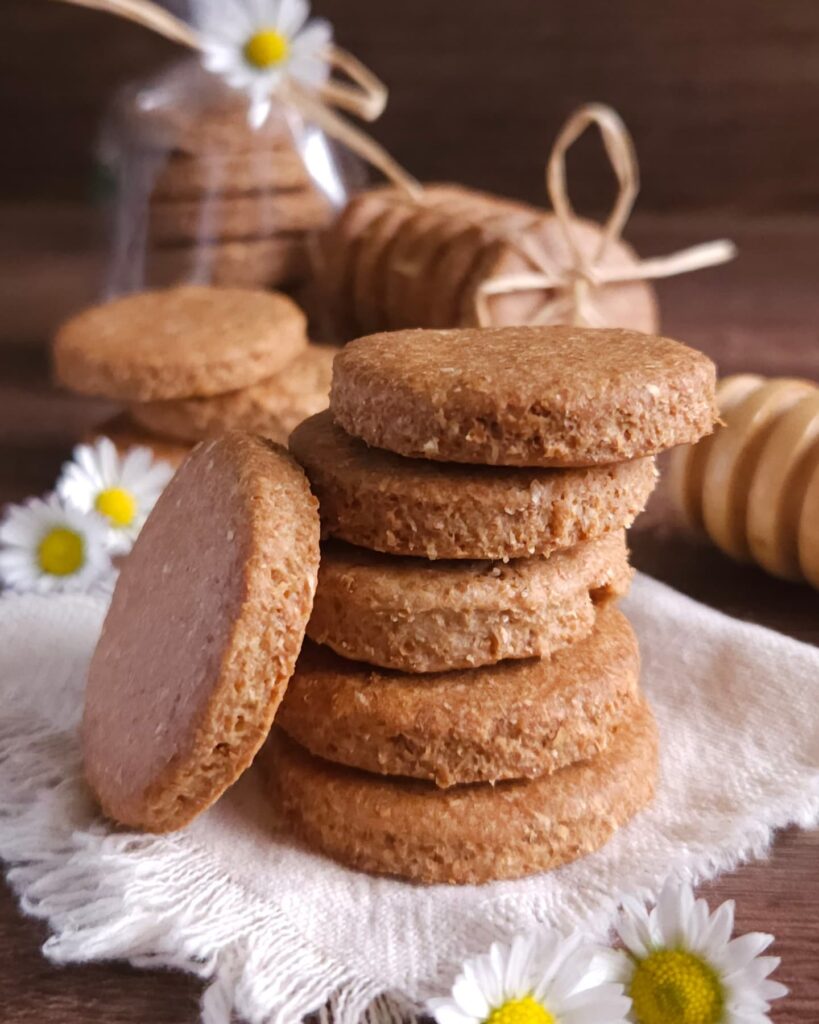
[(680, 965), (542, 979), (122, 489), (47, 547), (256, 44)]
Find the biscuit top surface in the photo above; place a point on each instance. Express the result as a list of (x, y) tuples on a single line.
[(179, 342), (202, 635), (557, 396)]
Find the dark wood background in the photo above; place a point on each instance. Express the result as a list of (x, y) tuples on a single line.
[(721, 95), (723, 99)]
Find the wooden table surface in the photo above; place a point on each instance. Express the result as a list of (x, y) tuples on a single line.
[(759, 314)]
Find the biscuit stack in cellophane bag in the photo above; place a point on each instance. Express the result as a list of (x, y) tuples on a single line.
[(193, 362), (451, 256), (467, 706), (202, 196)]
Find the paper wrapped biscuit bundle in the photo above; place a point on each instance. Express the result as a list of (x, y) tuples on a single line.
[(466, 706), (194, 362), (753, 487), (452, 257)]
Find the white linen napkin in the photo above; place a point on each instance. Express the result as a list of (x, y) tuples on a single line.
[(279, 931)]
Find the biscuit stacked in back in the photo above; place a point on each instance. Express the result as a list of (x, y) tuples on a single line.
[(194, 362), (468, 708), (228, 205)]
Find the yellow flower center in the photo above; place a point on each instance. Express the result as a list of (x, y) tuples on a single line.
[(673, 986), (520, 1011), (61, 552), (117, 505), (266, 49)]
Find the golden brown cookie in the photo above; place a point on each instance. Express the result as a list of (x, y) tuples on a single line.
[(631, 304), (369, 284), (414, 615), (523, 396), (514, 720), (435, 510), (177, 343), (202, 635), (465, 834), (193, 176), (233, 217), (126, 434), (251, 263), (272, 408)]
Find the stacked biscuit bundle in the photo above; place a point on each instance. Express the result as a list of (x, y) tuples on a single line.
[(390, 262), (226, 204), (193, 362), (467, 707)]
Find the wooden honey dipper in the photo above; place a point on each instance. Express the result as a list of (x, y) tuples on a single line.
[(753, 485)]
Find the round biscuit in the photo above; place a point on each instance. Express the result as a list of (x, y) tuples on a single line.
[(402, 506), (465, 834), (413, 615), (514, 720), (523, 396), (178, 342), (202, 635)]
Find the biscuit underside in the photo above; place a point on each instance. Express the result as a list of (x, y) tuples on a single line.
[(514, 720), (467, 834), (182, 689)]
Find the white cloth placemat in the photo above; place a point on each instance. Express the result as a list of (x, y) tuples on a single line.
[(279, 931)]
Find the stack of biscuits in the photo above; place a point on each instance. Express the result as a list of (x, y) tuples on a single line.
[(193, 362), (467, 706), (227, 205), (392, 262)]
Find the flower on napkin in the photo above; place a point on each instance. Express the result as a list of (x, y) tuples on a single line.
[(256, 44), (545, 979), (680, 965), (120, 489), (47, 546)]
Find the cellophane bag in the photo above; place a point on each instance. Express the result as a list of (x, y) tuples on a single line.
[(197, 195)]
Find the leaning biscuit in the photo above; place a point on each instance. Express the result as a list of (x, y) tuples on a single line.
[(414, 615), (523, 396), (465, 834), (203, 632), (178, 342), (514, 720), (406, 506), (272, 408)]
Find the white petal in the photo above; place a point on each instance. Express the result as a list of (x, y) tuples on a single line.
[(446, 1012), (291, 16), (516, 982), (717, 934), (670, 919), (740, 952), (468, 995)]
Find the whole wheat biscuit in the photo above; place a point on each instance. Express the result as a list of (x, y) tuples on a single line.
[(191, 176), (465, 834), (178, 343), (236, 217), (272, 408), (203, 633), (126, 434), (250, 263), (523, 396), (402, 506), (369, 281), (414, 615), (514, 720)]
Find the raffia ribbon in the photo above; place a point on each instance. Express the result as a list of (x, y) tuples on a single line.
[(570, 290), (362, 95)]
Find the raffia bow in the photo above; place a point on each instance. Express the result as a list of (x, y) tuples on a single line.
[(570, 289), (362, 94)]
